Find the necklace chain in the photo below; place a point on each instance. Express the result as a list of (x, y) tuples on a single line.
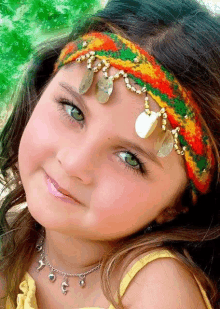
[(44, 256), (44, 261)]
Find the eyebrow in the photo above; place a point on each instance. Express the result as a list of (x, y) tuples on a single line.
[(147, 154), (74, 92)]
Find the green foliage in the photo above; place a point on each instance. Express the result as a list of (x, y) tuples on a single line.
[(24, 24)]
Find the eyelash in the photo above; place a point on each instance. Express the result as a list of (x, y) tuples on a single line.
[(61, 102)]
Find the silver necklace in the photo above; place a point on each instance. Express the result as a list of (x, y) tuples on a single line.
[(52, 277)]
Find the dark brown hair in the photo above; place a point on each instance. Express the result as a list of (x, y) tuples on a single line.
[(185, 38)]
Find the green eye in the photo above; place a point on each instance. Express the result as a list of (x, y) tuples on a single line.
[(130, 159), (133, 162), (69, 110), (75, 113)]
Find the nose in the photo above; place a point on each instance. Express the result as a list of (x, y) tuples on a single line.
[(80, 161)]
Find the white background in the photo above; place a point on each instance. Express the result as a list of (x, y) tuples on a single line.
[(213, 5)]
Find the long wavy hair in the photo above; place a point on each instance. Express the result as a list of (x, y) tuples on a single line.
[(185, 37)]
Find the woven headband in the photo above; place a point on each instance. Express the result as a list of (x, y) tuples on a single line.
[(188, 135)]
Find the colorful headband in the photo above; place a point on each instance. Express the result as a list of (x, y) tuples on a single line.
[(177, 104)]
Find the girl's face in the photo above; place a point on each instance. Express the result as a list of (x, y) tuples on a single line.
[(89, 150)]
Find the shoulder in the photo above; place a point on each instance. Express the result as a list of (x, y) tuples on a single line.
[(163, 283)]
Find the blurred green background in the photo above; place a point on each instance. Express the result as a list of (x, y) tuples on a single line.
[(24, 24)]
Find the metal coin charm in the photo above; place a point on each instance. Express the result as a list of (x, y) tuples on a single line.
[(64, 285), (104, 89), (167, 145), (146, 124), (52, 277), (86, 82)]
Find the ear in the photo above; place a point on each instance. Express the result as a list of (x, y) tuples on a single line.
[(170, 213), (167, 215)]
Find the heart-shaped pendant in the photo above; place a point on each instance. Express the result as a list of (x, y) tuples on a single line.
[(52, 277), (146, 124)]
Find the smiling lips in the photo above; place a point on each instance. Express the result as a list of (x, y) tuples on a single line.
[(61, 190)]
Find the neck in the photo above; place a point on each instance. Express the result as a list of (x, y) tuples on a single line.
[(72, 255)]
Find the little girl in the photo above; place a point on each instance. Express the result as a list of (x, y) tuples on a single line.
[(113, 146)]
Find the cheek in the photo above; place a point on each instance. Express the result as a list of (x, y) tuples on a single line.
[(34, 142), (119, 208), (126, 203)]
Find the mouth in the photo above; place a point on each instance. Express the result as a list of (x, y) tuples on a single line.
[(60, 189)]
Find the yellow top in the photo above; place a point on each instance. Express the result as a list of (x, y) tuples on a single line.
[(27, 299)]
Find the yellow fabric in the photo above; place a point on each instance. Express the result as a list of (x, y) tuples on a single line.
[(27, 299)]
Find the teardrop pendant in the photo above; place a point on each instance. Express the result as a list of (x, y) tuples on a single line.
[(82, 281), (104, 89), (52, 277), (86, 82), (146, 124), (167, 145)]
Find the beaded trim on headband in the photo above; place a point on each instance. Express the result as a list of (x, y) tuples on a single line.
[(176, 103)]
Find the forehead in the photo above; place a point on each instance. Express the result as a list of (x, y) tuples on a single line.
[(122, 109), (123, 106), (75, 72)]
